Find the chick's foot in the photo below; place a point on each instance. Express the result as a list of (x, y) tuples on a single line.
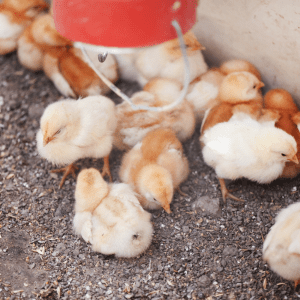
[(297, 282), (70, 169), (106, 168), (181, 192), (225, 192)]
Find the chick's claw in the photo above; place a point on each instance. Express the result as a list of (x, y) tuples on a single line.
[(70, 169), (106, 168), (225, 192)]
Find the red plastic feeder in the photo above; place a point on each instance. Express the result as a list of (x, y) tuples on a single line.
[(122, 23)]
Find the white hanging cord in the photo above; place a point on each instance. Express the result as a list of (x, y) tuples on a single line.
[(126, 98)]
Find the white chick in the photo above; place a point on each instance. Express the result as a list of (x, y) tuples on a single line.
[(74, 129), (110, 217), (243, 147), (202, 93), (15, 16), (281, 248), (133, 125), (154, 168), (164, 60)]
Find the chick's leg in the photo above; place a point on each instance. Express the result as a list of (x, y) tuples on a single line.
[(225, 192), (70, 169), (297, 282), (106, 169)]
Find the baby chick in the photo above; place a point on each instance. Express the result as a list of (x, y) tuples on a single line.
[(164, 60), (203, 90), (72, 129), (39, 38), (239, 65), (239, 91), (155, 167), (281, 102), (110, 217), (15, 16), (281, 247), (42, 47), (133, 125), (243, 147)]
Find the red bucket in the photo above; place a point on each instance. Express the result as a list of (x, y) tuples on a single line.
[(122, 23)]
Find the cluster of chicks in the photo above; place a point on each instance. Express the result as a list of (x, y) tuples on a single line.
[(243, 134)]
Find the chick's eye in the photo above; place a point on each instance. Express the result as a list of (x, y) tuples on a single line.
[(58, 131), (282, 154), (254, 86)]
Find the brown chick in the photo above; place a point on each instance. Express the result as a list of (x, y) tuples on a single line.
[(42, 47), (239, 91), (15, 16), (154, 168), (40, 38), (203, 91), (281, 102)]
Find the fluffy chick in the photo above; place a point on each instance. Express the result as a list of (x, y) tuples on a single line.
[(42, 47), (15, 16), (281, 249), (243, 147), (164, 60), (239, 91), (239, 65), (203, 91), (110, 217), (70, 130), (133, 125), (39, 38), (281, 102), (155, 167)]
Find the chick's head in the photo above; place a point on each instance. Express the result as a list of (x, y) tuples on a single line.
[(280, 99), (91, 188), (191, 45), (282, 146), (59, 121), (31, 8), (155, 184), (240, 87)]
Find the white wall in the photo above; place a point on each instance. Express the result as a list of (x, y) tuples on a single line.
[(265, 32)]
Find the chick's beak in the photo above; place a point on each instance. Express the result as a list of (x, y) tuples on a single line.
[(167, 208), (47, 139), (294, 159), (260, 85)]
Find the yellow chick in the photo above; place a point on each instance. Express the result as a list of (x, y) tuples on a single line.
[(110, 217), (239, 65), (281, 249), (281, 102), (42, 47), (244, 147), (38, 38), (239, 91), (164, 60), (73, 129), (154, 168), (203, 91), (133, 125), (15, 16)]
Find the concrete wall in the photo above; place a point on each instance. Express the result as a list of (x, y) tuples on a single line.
[(265, 32)]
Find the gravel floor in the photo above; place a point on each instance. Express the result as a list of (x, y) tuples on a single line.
[(195, 254)]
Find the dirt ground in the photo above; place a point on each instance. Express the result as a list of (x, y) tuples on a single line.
[(195, 254)]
